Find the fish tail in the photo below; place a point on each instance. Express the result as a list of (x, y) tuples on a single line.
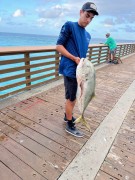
[(78, 120), (83, 121)]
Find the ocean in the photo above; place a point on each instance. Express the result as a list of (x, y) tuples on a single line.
[(16, 39)]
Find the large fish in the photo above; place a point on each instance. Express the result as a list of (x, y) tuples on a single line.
[(86, 80)]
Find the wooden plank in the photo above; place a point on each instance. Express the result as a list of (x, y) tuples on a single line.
[(40, 113), (104, 176), (23, 75), (57, 58), (102, 56), (121, 153), (27, 63), (72, 145), (44, 57), (34, 147), (23, 49), (16, 165), (51, 98), (122, 163), (128, 126), (125, 139), (27, 81), (27, 88), (14, 61), (116, 172), (129, 134), (46, 170), (119, 142), (27, 67), (6, 173), (41, 139), (56, 118)]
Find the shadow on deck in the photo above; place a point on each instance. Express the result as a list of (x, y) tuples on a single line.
[(33, 140)]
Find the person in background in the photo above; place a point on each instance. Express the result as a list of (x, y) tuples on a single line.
[(73, 43), (110, 42)]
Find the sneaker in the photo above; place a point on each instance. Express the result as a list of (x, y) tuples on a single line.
[(72, 130), (109, 61), (73, 118)]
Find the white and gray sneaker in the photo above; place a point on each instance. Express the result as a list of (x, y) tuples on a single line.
[(72, 130)]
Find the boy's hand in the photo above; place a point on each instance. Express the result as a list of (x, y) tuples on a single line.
[(77, 60)]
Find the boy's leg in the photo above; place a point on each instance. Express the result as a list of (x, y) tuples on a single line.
[(70, 95), (69, 106)]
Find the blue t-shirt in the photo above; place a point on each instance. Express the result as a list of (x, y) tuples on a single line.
[(76, 40)]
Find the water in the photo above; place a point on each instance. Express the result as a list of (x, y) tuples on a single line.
[(16, 39)]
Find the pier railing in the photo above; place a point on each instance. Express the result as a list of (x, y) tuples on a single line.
[(25, 68)]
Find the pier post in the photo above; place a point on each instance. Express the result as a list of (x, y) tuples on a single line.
[(27, 70)]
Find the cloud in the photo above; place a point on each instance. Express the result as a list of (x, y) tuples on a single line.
[(130, 18), (41, 21), (18, 13), (0, 19), (50, 13), (57, 11), (128, 29), (109, 22), (116, 7)]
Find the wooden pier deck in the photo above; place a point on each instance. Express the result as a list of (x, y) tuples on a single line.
[(120, 161), (35, 146)]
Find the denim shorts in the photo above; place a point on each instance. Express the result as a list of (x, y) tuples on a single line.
[(113, 51), (70, 88)]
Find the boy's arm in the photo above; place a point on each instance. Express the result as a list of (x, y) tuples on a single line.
[(64, 52), (62, 40)]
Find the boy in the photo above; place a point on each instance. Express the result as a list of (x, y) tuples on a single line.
[(73, 44)]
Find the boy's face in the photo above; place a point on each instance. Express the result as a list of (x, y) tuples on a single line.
[(85, 18)]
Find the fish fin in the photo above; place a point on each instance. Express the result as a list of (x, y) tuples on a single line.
[(78, 120), (84, 122)]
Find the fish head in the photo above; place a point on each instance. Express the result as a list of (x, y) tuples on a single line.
[(84, 67)]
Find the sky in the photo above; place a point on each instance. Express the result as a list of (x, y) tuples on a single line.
[(46, 17)]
